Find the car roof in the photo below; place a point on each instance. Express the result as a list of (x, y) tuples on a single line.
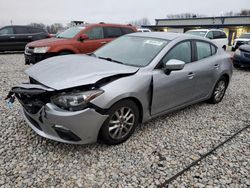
[(104, 24), (206, 30), (166, 35)]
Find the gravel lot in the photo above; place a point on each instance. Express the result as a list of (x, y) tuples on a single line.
[(157, 151)]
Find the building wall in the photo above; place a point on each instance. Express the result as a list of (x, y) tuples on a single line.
[(205, 21)]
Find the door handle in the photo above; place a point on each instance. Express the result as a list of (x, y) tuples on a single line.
[(12, 37), (216, 66), (191, 75), (103, 42), (29, 36)]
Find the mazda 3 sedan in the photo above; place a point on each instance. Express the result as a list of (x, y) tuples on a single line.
[(80, 99)]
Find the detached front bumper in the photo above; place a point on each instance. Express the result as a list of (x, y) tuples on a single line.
[(79, 127)]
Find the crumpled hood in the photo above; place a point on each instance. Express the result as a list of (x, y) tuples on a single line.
[(70, 71), (47, 42)]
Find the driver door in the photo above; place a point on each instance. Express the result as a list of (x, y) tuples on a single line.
[(177, 88)]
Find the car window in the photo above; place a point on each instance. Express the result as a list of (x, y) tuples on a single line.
[(219, 34), (214, 49), (112, 32), (95, 33), (127, 30), (6, 31), (197, 33), (203, 50), (70, 33), (180, 52), (36, 30), (132, 50), (223, 35), (21, 30), (210, 35)]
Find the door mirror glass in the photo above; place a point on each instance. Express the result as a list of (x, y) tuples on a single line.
[(174, 65), (84, 37)]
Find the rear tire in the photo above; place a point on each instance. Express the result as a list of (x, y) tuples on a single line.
[(121, 123), (219, 91)]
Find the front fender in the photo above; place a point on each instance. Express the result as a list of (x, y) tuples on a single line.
[(136, 86)]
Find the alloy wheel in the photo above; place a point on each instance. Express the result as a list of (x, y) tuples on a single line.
[(121, 122)]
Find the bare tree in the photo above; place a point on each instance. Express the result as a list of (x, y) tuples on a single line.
[(184, 15), (140, 22)]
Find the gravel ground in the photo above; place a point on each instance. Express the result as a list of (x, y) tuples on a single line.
[(157, 150)]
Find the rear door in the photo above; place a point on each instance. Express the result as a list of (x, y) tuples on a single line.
[(207, 66), (22, 37), (7, 39)]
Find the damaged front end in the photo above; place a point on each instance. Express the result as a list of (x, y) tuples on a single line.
[(45, 112)]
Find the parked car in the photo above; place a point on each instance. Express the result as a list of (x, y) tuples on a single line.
[(15, 37), (79, 98), (241, 56), (75, 40), (243, 39), (218, 36), (143, 30)]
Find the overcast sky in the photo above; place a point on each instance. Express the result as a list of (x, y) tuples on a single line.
[(113, 11)]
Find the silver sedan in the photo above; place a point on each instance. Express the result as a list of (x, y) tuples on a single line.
[(80, 98)]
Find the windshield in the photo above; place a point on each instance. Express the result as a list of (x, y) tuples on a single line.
[(197, 33), (132, 50), (245, 36), (70, 33)]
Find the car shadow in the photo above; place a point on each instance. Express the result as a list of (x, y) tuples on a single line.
[(11, 53)]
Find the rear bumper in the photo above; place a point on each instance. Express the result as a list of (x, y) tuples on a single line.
[(79, 127), (34, 58)]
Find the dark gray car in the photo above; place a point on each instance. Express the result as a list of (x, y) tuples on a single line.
[(79, 98), (15, 37)]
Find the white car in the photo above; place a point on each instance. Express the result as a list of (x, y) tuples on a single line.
[(218, 36), (243, 39), (143, 30)]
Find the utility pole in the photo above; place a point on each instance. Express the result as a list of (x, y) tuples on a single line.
[(11, 22)]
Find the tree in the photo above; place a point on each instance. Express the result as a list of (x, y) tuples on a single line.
[(140, 22)]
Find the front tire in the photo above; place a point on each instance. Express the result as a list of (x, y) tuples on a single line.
[(121, 123), (219, 91)]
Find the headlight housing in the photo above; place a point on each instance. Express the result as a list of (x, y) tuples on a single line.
[(41, 50), (237, 52), (75, 101)]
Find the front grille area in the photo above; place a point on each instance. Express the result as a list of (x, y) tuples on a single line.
[(32, 99), (29, 50), (247, 55)]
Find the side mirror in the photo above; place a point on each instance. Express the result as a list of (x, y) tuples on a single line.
[(173, 65), (83, 37)]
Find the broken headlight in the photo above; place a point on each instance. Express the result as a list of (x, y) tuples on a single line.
[(76, 100)]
